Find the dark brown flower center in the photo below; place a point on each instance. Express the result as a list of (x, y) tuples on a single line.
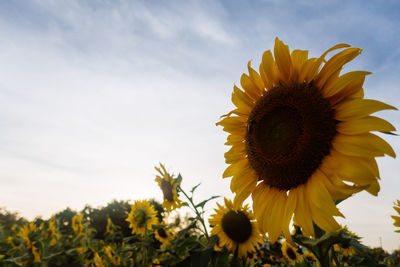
[(161, 232), (236, 226), (289, 132), (167, 187), (291, 253)]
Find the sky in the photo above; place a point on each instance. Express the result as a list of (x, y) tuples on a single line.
[(94, 94)]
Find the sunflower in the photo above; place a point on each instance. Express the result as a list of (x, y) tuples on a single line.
[(309, 256), (235, 228), (290, 253), (300, 137), (164, 236), (168, 185), (396, 218), (141, 217)]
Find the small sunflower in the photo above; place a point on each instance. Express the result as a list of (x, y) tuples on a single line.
[(290, 253), (164, 236), (141, 217), (168, 185), (300, 137), (309, 256), (235, 228), (396, 218)]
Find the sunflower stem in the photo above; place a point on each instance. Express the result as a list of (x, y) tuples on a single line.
[(322, 256), (198, 214)]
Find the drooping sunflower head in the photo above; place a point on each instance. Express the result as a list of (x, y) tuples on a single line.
[(168, 185), (397, 218), (141, 217), (290, 252), (300, 137), (77, 225), (163, 235), (235, 228)]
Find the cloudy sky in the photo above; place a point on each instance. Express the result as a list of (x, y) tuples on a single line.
[(93, 94)]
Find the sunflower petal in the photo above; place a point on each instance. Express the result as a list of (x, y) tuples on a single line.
[(302, 214), (340, 83), (249, 87), (256, 79), (241, 100), (358, 108), (362, 145), (335, 64), (319, 195), (268, 67), (364, 125), (289, 210), (245, 186), (313, 66), (277, 214), (282, 58), (235, 168)]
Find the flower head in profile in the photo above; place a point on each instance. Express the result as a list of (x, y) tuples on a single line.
[(300, 138), (397, 218), (235, 228), (168, 185), (141, 217), (77, 225)]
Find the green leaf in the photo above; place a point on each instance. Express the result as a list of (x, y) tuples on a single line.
[(158, 226), (201, 204), (194, 188)]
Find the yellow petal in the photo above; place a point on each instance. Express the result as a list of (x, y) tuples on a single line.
[(358, 108), (348, 166), (245, 186), (282, 58), (241, 100), (299, 57), (374, 188), (319, 195), (249, 87), (261, 198), (364, 125), (340, 83), (312, 66), (335, 64), (234, 139), (268, 215), (362, 145), (289, 210), (277, 215), (397, 209), (235, 168), (338, 189), (256, 79), (302, 214), (324, 221), (268, 67)]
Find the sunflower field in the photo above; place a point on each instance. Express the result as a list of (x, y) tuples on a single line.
[(301, 142)]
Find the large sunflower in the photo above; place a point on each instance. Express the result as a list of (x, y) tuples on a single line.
[(235, 228), (168, 185), (300, 137), (396, 218), (141, 217)]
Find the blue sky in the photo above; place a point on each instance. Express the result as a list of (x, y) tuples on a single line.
[(93, 94)]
